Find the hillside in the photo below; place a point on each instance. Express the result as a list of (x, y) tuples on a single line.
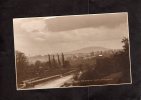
[(88, 50), (67, 54)]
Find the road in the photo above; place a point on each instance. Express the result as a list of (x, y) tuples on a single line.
[(54, 83)]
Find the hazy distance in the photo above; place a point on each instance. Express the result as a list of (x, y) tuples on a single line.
[(48, 35)]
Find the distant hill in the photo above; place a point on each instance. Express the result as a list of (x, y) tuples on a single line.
[(81, 51), (88, 50)]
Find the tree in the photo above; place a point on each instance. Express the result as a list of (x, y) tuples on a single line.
[(38, 64), (49, 61), (66, 64), (21, 66), (54, 62), (21, 59), (59, 62), (122, 60), (126, 44), (63, 60), (104, 66)]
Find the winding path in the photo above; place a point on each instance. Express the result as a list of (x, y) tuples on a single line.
[(54, 83)]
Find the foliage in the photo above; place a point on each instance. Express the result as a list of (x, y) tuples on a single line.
[(39, 69), (117, 62), (21, 65)]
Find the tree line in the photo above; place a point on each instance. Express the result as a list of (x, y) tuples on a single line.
[(118, 62), (26, 70)]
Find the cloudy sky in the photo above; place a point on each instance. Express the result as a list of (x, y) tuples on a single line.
[(43, 35)]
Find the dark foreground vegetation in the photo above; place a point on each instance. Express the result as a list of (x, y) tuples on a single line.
[(114, 69), (92, 70)]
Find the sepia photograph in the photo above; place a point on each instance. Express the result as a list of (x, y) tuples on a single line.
[(72, 51)]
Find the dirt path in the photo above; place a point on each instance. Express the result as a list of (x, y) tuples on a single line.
[(54, 83)]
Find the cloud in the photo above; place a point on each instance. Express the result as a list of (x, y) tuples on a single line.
[(33, 25), (57, 34), (84, 34), (39, 39), (74, 22)]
